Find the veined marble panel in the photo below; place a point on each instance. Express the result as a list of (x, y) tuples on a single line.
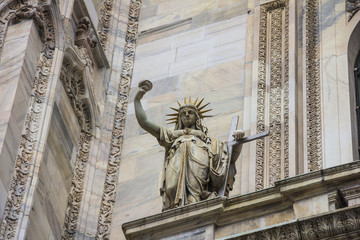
[(18, 62)]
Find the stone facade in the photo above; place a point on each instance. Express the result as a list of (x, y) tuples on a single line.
[(75, 164)]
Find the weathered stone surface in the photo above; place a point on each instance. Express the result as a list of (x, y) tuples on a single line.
[(255, 213)]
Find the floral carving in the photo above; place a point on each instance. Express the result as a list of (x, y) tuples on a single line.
[(330, 226), (72, 78), (277, 113), (85, 38), (24, 166), (104, 21), (108, 198), (313, 98)]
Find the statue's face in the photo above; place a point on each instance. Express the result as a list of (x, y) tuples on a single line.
[(188, 117)]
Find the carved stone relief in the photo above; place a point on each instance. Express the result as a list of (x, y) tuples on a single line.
[(24, 166), (104, 21), (79, 87), (86, 38), (352, 7), (313, 98), (273, 101), (109, 194), (330, 226)]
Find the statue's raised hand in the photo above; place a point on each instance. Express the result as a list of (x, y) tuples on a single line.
[(144, 87)]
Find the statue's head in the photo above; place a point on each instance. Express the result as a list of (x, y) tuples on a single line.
[(189, 115)]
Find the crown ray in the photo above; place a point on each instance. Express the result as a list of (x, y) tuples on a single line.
[(185, 101), (175, 109), (190, 100), (196, 101), (172, 114), (179, 103), (170, 119), (205, 111), (206, 116), (197, 106), (202, 107), (172, 122)]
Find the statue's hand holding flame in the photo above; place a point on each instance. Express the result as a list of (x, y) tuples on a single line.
[(144, 87)]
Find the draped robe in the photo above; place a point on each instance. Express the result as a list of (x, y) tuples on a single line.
[(194, 166)]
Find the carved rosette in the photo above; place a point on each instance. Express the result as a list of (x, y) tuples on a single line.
[(273, 101), (109, 194), (352, 7), (29, 143), (313, 98), (104, 21)]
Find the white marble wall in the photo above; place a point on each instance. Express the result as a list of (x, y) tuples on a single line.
[(18, 62)]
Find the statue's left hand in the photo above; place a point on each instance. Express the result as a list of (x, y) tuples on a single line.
[(238, 134)]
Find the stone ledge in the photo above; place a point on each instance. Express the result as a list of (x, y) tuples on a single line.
[(222, 211), (339, 224), (175, 220)]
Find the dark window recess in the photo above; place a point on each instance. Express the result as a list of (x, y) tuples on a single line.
[(357, 107)]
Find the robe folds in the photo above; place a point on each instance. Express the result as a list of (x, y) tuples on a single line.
[(194, 166)]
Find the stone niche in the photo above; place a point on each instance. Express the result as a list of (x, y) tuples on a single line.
[(295, 208)]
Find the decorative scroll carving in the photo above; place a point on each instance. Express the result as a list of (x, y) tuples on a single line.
[(341, 224), (29, 143), (104, 21), (72, 77), (260, 144), (77, 187), (108, 199), (75, 87), (278, 98), (352, 6), (313, 100), (18, 11), (85, 37)]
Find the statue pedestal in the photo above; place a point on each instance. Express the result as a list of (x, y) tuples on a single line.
[(307, 206), (192, 220)]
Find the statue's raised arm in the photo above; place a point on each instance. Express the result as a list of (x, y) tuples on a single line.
[(150, 127)]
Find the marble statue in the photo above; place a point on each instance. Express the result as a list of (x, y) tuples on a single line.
[(195, 164)]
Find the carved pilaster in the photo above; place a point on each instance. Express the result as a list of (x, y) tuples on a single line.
[(72, 78), (29, 144), (109, 194), (104, 21), (77, 187), (273, 101), (313, 98)]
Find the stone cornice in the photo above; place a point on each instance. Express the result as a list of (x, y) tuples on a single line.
[(222, 211), (339, 224)]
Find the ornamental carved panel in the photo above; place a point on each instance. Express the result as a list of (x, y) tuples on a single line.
[(109, 194), (313, 91), (76, 84), (272, 153), (20, 193)]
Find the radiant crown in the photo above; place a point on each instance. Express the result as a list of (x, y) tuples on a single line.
[(174, 117)]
